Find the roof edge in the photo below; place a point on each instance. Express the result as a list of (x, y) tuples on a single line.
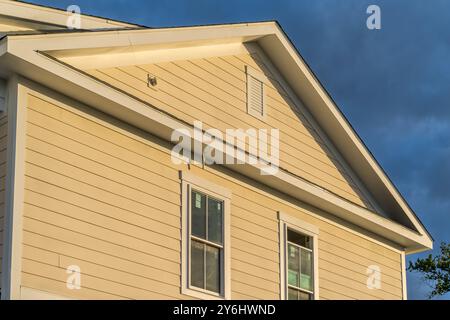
[(54, 16), (358, 142)]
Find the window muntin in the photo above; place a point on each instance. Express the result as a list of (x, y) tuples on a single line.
[(206, 252), (299, 256)]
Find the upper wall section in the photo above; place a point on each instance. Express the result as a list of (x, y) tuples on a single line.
[(105, 196), (212, 89)]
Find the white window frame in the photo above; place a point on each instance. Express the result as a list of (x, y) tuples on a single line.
[(250, 72), (287, 221), (188, 183)]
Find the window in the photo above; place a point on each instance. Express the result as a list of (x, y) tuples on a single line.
[(255, 93), (299, 261), (206, 242), (298, 247), (205, 227)]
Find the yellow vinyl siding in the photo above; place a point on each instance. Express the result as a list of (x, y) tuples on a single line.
[(3, 156), (213, 90), (105, 196)]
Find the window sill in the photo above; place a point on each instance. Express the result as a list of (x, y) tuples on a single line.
[(201, 295)]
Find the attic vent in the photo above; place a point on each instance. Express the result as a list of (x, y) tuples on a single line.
[(255, 93)]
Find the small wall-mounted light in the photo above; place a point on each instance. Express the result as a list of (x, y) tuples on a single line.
[(151, 80)]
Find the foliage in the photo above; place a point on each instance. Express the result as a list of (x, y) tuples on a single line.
[(435, 270)]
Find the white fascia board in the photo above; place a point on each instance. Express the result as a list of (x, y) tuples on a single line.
[(87, 90), (102, 40), (50, 16)]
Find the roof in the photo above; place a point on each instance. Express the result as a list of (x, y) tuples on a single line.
[(120, 22), (36, 56), (40, 17)]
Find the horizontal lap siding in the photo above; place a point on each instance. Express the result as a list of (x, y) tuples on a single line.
[(213, 90), (3, 142), (343, 256), (106, 197), (91, 201)]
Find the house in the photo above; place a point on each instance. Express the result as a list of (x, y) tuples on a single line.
[(94, 204)]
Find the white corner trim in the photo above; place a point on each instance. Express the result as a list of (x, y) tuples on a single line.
[(188, 181), (288, 221), (2, 95), (14, 195), (403, 266)]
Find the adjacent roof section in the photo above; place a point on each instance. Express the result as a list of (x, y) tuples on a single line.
[(24, 55), (18, 16)]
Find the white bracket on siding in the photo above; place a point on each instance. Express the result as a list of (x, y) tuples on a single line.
[(2, 95)]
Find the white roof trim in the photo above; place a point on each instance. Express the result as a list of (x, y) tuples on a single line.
[(51, 16), (337, 127)]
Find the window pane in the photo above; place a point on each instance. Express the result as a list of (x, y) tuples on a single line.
[(304, 296), (198, 209), (212, 269), (306, 280), (293, 265), (292, 294), (299, 239), (215, 220), (197, 264)]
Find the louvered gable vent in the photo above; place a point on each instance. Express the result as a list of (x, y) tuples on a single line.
[(255, 93)]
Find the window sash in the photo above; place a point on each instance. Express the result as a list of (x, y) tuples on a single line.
[(206, 242), (310, 294), (206, 285), (209, 243), (286, 258), (299, 246), (206, 221), (300, 289)]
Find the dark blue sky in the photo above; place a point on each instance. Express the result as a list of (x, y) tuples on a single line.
[(392, 84)]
